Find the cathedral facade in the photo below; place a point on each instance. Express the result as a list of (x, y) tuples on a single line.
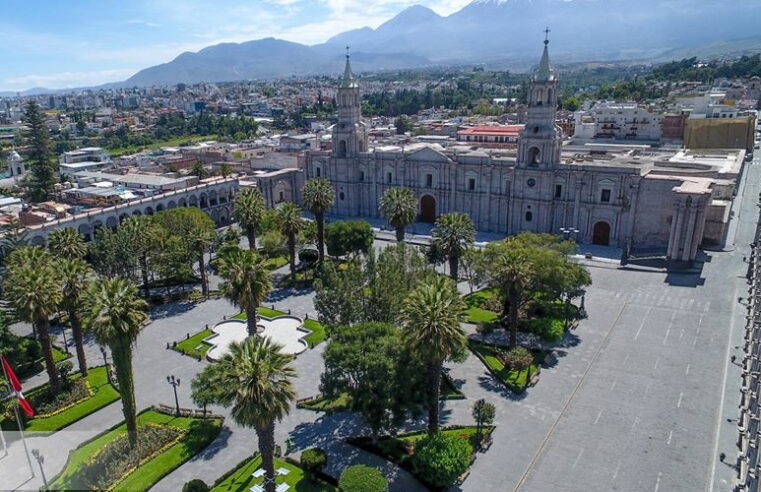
[(636, 199)]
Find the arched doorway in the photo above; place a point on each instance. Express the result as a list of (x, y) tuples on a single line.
[(428, 209), (601, 234)]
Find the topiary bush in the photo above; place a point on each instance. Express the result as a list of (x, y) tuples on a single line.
[(195, 485), (314, 460), (441, 459), (361, 478), (308, 256)]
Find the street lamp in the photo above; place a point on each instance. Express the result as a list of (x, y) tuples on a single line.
[(174, 382), (40, 460)]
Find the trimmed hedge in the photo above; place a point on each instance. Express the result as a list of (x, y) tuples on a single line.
[(361, 478)]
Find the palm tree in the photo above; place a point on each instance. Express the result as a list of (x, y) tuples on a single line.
[(247, 282), (254, 378), (318, 197), (431, 318), (75, 275), (115, 314), (144, 235), (289, 218), (399, 207), (67, 243), (452, 234), (510, 273), (248, 210), (33, 289)]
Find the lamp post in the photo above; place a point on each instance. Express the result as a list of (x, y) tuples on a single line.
[(174, 382), (567, 231), (65, 343), (40, 460)]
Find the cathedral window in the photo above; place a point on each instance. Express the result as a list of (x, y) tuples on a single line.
[(533, 155), (341, 196), (389, 177), (361, 175), (471, 184), (558, 191), (605, 195), (429, 180), (317, 172), (342, 148), (529, 216)]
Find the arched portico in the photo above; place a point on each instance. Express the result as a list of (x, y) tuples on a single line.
[(428, 209)]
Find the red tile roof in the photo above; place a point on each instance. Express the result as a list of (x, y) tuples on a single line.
[(504, 130)]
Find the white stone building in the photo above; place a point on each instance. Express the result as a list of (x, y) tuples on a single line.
[(617, 121), (636, 199)]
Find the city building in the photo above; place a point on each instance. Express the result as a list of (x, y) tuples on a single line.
[(495, 136), (617, 121), (85, 159), (635, 198)]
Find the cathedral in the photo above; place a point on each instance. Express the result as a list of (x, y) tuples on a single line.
[(637, 198)]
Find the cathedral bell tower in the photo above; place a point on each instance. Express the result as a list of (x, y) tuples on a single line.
[(349, 133), (541, 140)]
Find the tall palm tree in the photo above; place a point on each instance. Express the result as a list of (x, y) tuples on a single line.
[(67, 243), (511, 272), (318, 197), (254, 378), (247, 282), (431, 318), (75, 275), (452, 234), (290, 221), (248, 210), (399, 207), (145, 236), (33, 289), (115, 314)]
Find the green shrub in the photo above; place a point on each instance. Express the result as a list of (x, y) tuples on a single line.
[(441, 459), (314, 459), (195, 485), (348, 237), (547, 329), (272, 244), (308, 256), (361, 478)]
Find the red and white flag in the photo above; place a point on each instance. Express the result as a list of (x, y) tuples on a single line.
[(16, 386)]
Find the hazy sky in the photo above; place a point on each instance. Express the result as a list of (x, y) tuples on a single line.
[(70, 43)]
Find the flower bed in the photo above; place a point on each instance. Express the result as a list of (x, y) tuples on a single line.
[(116, 460), (240, 478), (47, 404), (194, 346), (492, 357)]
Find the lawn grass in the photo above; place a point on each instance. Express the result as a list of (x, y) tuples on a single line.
[(318, 335), (241, 480), (262, 311), (475, 313), (170, 142), (104, 394), (200, 433), (194, 345), (59, 354), (514, 380), (275, 263)]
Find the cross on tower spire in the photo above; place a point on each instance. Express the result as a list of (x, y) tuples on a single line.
[(546, 35), (347, 52)]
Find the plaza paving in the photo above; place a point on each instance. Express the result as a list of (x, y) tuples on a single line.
[(638, 400)]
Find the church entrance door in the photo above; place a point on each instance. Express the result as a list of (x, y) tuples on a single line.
[(428, 209), (601, 234)]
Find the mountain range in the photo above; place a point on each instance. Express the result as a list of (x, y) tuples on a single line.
[(506, 32)]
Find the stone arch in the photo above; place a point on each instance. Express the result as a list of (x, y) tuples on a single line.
[(203, 200), (85, 231), (38, 241), (224, 218), (213, 202), (123, 217), (159, 207), (193, 201), (214, 216), (183, 202), (112, 222), (428, 209), (534, 155), (137, 212), (601, 233), (283, 192), (149, 211), (172, 204)]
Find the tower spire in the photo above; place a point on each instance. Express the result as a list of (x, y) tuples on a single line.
[(349, 80), (545, 72)]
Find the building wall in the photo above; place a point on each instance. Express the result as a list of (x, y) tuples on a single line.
[(720, 133)]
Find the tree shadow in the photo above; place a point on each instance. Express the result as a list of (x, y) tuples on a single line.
[(488, 383), (283, 293), (325, 429), (172, 309), (217, 445)]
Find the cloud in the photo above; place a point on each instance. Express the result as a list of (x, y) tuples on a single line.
[(66, 79), (143, 22)]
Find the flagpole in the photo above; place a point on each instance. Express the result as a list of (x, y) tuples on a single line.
[(21, 431)]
